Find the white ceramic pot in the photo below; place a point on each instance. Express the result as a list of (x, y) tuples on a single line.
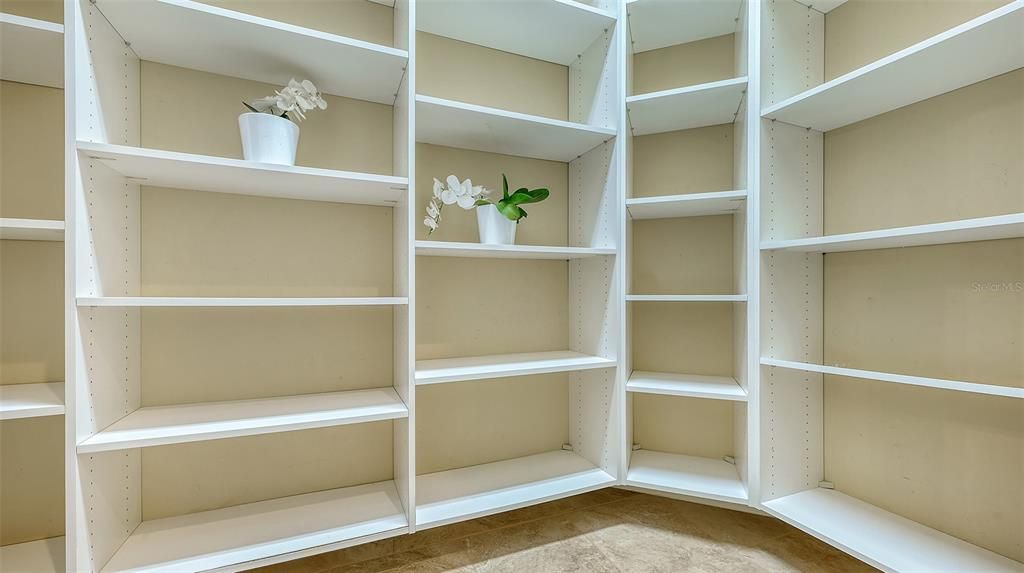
[(267, 138), (495, 228)]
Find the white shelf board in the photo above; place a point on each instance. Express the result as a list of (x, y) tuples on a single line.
[(689, 385), (985, 47), (657, 24), (688, 205), (686, 297), (962, 231), (551, 30), (823, 6), (162, 425), (694, 476), (690, 107), (31, 51), (31, 229), (973, 387), (160, 168), (478, 250), (468, 126), (42, 556), (882, 539), (465, 493), (444, 370), (200, 301), (31, 400), (234, 535), (241, 45)]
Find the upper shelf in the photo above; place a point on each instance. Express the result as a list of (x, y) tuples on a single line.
[(657, 24), (687, 385), (241, 45), (468, 126), (160, 168), (31, 400), (690, 107), (550, 30), (686, 297), (962, 231), (31, 51), (985, 47), (31, 230), (482, 251), (689, 205), (208, 301), (443, 370)]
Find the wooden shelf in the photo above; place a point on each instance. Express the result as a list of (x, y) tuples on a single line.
[(162, 425), (657, 24), (467, 126), (31, 400), (478, 250), (882, 539), (962, 231), (444, 370), (686, 108), (973, 387), (31, 229), (224, 537), (466, 493), (688, 385), (550, 30), (241, 45), (160, 168), (199, 301), (686, 297), (31, 51), (705, 478), (42, 556), (982, 48), (689, 205)]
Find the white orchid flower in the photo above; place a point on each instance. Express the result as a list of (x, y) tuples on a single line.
[(433, 210), (430, 223), (438, 188), (467, 202), (448, 197)]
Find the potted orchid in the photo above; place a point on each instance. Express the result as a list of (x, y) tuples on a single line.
[(268, 133), (496, 221)]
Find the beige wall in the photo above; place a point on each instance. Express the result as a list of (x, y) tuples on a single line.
[(359, 19), (684, 337), (31, 312), (691, 255), (31, 479), (680, 162), (50, 10), (688, 426), (682, 65), (31, 151)]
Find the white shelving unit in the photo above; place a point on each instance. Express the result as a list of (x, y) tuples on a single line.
[(172, 301), (691, 205), (31, 400), (31, 230), (692, 476), (686, 298), (688, 107), (33, 51), (442, 370), (661, 23), (689, 385), (477, 250)]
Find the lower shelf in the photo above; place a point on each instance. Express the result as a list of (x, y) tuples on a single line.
[(705, 478), (234, 535), (443, 370), (31, 400), (465, 493), (689, 385), (41, 556), (882, 539)]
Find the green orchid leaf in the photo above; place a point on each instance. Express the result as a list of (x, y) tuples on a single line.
[(504, 186), (525, 196), (480, 202), (252, 109), (510, 211)]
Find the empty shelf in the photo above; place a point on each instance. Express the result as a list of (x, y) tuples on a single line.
[(467, 126), (686, 297), (882, 539), (476, 491), (159, 168), (443, 370), (705, 478), (201, 301), (31, 230), (241, 45), (990, 389), (224, 537), (42, 556), (31, 51), (690, 385), (985, 47), (478, 250), (686, 108), (962, 231), (657, 24), (689, 205), (31, 400)]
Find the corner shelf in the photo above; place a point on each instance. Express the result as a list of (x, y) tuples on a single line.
[(689, 107), (973, 387), (31, 400), (162, 425), (982, 48), (551, 30), (31, 51), (440, 371), (661, 23), (233, 535), (962, 231), (679, 474), (42, 556), (31, 230), (468, 126), (466, 493), (198, 301), (686, 298), (688, 205), (686, 385), (160, 168), (240, 45), (882, 539), (478, 250)]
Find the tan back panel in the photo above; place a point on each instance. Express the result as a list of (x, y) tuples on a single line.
[(31, 311), (359, 19), (684, 337), (680, 162), (31, 151), (682, 65), (691, 255), (689, 426), (31, 479), (49, 10)]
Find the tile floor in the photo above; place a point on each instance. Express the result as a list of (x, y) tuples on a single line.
[(606, 531)]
